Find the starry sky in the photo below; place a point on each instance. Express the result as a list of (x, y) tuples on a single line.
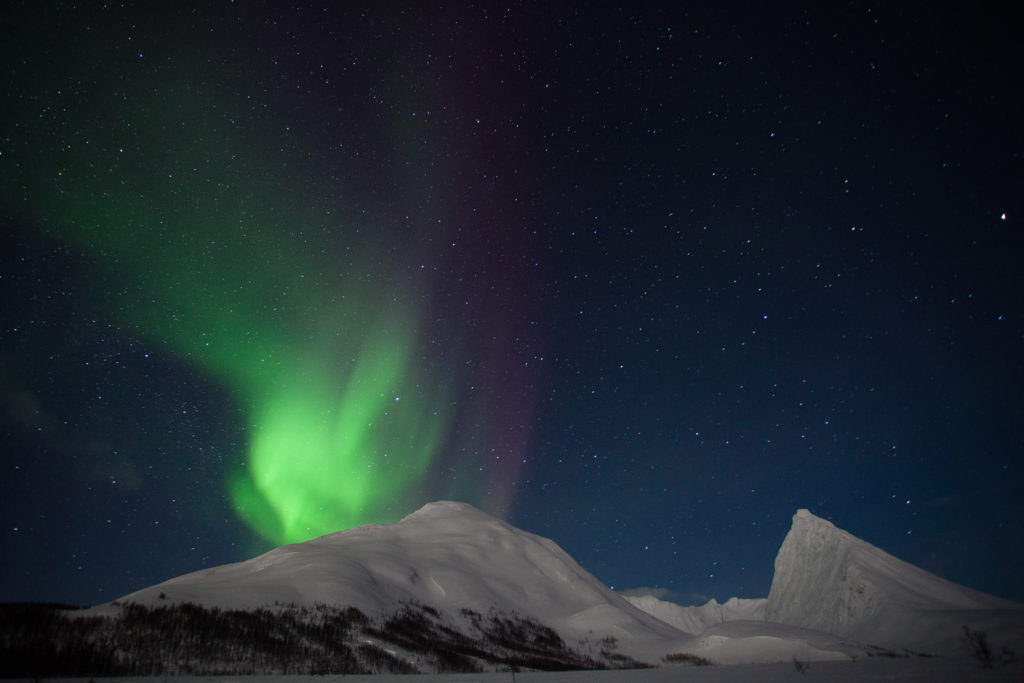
[(644, 281)]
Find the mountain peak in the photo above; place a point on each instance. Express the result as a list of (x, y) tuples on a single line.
[(443, 509), (804, 516), (829, 580), (448, 555)]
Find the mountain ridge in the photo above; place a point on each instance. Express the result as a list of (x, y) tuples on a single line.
[(830, 590)]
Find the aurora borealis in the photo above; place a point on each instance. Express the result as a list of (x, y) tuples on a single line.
[(642, 282), (321, 459), (319, 361)]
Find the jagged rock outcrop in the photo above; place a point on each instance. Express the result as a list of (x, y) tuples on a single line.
[(828, 580)]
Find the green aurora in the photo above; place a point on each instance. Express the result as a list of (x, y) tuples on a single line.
[(239, 275)]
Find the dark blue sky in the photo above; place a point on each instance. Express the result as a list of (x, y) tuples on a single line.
[(687, 271)]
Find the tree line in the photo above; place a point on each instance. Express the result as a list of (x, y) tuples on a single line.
[(185, 639)]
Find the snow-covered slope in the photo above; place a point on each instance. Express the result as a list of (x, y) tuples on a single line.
[(696, 619), (447, 555), (828, 580), (830, 588), (754, 642)]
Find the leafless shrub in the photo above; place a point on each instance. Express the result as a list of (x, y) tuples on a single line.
[(978, 646)]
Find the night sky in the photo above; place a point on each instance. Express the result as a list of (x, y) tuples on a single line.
[(641, 281)]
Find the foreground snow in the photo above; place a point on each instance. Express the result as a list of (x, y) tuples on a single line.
[(874, 669)]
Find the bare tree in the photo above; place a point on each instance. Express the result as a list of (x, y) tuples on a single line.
[(977, 644)]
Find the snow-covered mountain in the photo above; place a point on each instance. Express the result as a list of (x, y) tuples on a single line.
[(447, 555), (696, 619), (832, 593), (828, 580)]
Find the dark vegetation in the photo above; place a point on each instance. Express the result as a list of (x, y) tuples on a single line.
[(179, 639), (686, 658), (982, 650), (978, 646), (875, 651)]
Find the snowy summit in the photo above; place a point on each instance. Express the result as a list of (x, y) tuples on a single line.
[(448, 555)]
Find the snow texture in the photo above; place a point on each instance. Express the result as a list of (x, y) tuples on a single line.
[(878, 669), (447, 555), (833, 596), (828, 580)]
